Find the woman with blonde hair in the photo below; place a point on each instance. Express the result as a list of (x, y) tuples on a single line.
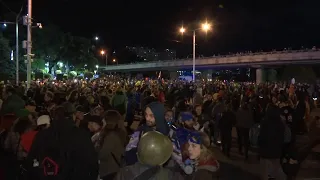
[(205, 166)]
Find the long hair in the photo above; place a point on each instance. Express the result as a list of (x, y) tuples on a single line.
[(112, 124), (206, 154)]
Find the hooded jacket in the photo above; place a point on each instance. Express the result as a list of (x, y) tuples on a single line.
[(158, 111), (81, 161)]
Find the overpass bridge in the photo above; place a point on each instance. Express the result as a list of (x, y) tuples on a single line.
[(246, 60)]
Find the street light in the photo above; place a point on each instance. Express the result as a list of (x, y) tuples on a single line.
[(97, 66), (115, 61), (205, 27), (102, 52), (96, 38)]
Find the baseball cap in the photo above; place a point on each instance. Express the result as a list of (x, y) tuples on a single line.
[(44, 119)]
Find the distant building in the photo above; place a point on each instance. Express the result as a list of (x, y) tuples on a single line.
[(148, 54), (167, 54)]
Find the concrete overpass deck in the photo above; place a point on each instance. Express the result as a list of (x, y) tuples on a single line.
[(250, 60)]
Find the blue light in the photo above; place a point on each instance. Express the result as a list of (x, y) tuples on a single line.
[(11, 55)]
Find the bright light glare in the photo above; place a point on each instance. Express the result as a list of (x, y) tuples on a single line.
[(102, 52), (182, 30), (114, 60), (97, 66), (206, 26), (96, 38), (4, 25)]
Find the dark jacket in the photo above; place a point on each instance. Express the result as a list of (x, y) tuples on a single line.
[(271, 138), (81, 161), (161, 126), (132, 172)]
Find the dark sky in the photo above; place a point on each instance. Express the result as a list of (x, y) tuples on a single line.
[(238, 25)]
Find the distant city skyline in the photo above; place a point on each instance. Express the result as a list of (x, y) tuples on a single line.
[(152, 54)]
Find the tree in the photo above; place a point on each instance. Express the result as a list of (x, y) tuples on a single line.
[(51, 44), (7, 66), (80, 53)]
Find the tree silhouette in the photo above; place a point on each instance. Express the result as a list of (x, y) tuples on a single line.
[(7, 66)]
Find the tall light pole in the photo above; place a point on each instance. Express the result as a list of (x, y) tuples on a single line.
[(29, 43), (205, 27), (102, 52)]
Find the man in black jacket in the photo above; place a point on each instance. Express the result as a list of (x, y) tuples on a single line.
[(271, 141), (62, 152)]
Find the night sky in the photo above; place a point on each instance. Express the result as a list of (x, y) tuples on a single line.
[(238, 25)]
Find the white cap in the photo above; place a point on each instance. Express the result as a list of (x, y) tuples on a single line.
[(44, 119)]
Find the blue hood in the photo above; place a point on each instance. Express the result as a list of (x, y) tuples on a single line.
[(158, 111)]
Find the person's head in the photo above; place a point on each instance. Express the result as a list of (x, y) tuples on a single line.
[(169, 116), (150, 119), (95, 123), (209, 97), (198, 149), (8, 91), (155, 117), (43, 122), (23, 125), (31, 106), (48, 96), (187, 119), (198, 109), (79, 113), (112, 119), (274, 100), (73, 96)]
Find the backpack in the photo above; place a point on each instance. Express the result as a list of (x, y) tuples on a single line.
[(254, 135), (53, 161)]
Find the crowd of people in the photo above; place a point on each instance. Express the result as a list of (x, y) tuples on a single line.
[(71, 130)]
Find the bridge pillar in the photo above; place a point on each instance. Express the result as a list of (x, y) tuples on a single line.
[(207, 74), (259, 75), (174, 75)]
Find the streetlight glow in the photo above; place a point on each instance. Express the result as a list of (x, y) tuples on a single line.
[(206, 26), (4, 25), (182, 30), (114, 60), (97, 66), (102, 52), (96, 38)]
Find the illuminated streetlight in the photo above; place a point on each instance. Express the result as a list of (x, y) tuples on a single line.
[(96, 38), (4, 25), (102, 52), (97, 66), (205, 27), (114, 60), (182, 30)]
